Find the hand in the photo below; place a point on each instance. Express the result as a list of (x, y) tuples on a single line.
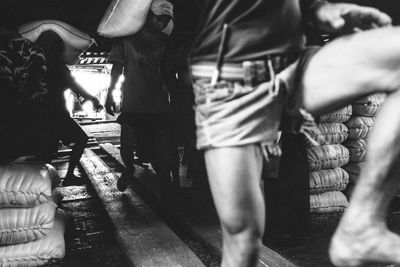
[(345, 18), (110, 106), (96, 104)]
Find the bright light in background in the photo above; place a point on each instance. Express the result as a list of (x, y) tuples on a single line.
[(117, 93), (69, 101), (87, 107), (96, 82)]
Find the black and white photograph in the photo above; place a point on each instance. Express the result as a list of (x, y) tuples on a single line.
[(199, 133)]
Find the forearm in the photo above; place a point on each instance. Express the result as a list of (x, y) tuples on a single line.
[(116, 71), (309, 8), (79, 90)]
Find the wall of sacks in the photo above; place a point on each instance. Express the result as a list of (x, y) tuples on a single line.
[(359, 125), (328, 179), (31, 226)]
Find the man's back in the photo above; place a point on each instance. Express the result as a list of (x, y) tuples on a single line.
[(142, 54)]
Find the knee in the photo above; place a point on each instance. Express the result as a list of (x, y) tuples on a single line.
[(245, 230), (242, 238)]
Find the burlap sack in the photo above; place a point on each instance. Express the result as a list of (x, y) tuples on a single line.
[(357, 149), (124, 17), (19, 225), (327, 157), (340, 115), (368, 106), (328, 180), (330, 133), (75, 41), (26, 185), (40, 251), (359, 127), (328, 202)]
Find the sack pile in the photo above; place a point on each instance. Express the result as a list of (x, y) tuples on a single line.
[(359, 125), (31, 227), (327, 177)]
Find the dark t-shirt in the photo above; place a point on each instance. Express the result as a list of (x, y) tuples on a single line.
[(141, 55), (256, 28)]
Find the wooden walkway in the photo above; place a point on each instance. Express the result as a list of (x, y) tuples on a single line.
[(193, 213), (142, 235), (142, 222)]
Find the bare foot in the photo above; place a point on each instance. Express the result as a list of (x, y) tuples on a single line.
[(353, 247)]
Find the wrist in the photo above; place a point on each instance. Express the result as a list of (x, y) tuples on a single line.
[(312, 12)]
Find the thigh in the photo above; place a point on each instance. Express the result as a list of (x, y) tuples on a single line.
[(351, 67), (234, 175), (69, 130), (128, 136)]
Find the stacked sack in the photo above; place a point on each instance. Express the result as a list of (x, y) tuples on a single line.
[(359, 125), (31, 227), (325, 159)]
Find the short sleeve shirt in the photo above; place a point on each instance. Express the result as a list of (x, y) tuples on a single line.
[(141, 55), (257, 28)]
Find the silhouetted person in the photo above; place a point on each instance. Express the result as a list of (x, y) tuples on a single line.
[(145, 112), (59, 79)]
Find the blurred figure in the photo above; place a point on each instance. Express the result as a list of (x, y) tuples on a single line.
[(63, 126), (145, 112), (250, 66)]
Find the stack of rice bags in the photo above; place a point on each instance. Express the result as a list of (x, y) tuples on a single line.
[(325, 159), (359, 125), (31, 227)]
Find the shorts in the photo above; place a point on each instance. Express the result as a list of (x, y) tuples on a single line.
[(232, 113)]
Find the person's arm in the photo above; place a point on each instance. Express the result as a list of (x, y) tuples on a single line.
[(343, 17), (116, 71), (77, 88)]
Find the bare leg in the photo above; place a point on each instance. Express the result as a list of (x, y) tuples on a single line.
[(234, 174), (79, 138), (346, 69), (362, 235), (76, 154)]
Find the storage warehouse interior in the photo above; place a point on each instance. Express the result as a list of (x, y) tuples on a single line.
[(89, 221)]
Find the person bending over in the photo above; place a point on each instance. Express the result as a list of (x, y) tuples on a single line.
[(63, 126)]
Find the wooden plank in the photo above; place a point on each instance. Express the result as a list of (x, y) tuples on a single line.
[(74, 193), (90, 122), (144, 237), (195, 215)]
